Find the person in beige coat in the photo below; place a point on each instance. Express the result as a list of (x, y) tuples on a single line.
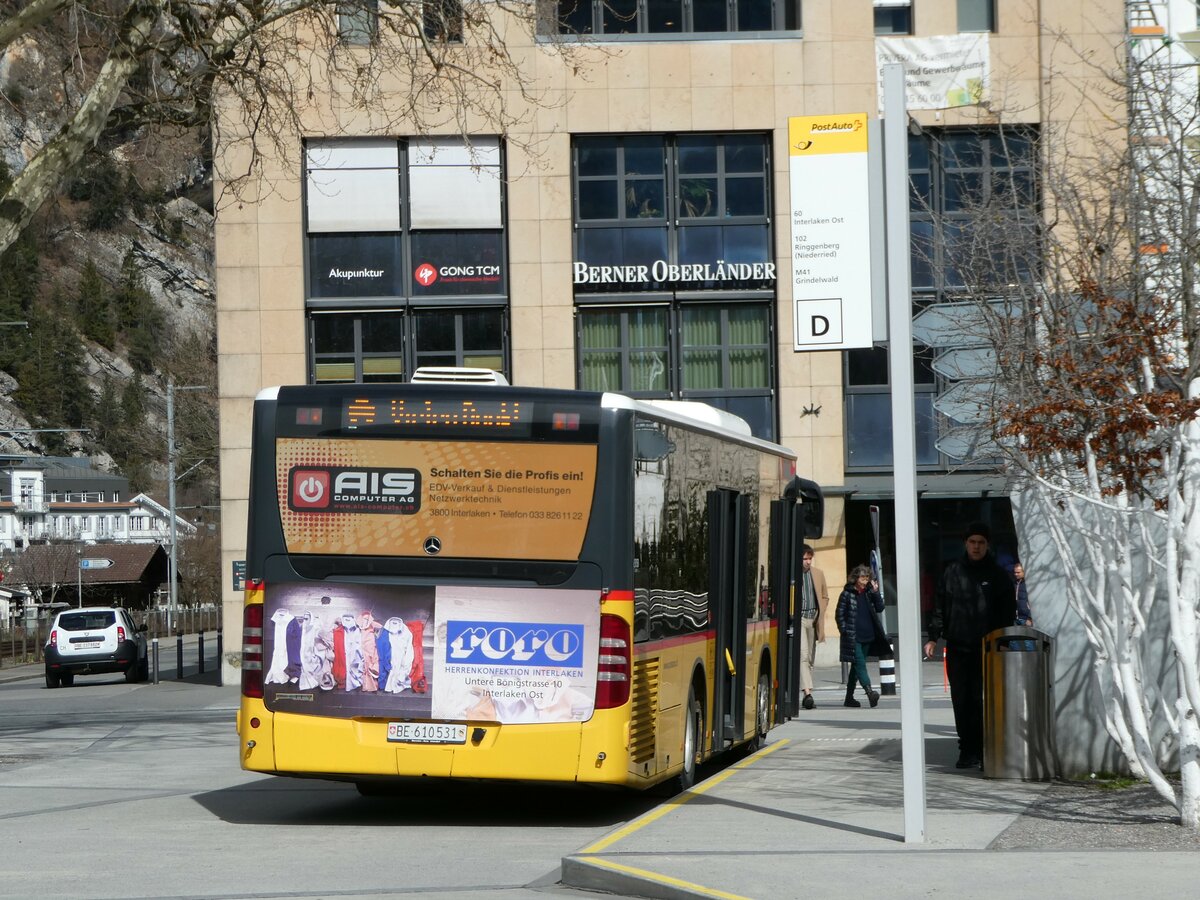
[(814, 597)]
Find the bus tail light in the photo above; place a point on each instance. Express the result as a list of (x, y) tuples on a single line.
[(615, 669), (252, 651)]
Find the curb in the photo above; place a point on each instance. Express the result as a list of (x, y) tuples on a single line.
[(592, 873)]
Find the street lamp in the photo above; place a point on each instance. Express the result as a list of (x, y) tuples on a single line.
[(172, 451)]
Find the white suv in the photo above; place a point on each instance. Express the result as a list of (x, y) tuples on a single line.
[(94, 640)]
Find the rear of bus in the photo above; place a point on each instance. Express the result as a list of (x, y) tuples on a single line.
[(427, 587)]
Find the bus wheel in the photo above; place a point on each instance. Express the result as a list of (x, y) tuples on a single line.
[(693, 732), (762, 712)]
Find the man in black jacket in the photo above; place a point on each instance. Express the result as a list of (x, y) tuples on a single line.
[(975, 596)]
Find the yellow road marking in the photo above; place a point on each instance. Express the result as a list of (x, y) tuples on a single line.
[(665, 879), (675, 802)]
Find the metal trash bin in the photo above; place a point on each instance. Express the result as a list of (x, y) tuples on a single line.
[(1018, 705)]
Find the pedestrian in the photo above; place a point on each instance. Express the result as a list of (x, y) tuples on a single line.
[(814, 598), (1024, 614), (857, 615), (975, 596)]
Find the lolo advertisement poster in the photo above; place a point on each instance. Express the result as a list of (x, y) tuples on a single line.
[(446, 653)]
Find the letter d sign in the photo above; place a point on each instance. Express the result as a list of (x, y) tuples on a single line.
[(818, 323)]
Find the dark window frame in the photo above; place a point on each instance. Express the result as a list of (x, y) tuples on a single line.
[(933, 166), (409, 354), (978, 15), (675, 308), (443, 21), (358, 22), (894, 19), (785, 16)]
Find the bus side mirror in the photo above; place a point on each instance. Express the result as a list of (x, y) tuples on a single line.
[(812, 505)]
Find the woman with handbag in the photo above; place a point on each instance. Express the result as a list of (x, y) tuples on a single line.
[(857, 616)]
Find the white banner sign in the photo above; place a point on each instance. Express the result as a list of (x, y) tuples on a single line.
[(939, 72), (831, 238)]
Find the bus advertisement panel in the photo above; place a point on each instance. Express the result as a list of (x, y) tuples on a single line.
[(448, 653), (480, 499)]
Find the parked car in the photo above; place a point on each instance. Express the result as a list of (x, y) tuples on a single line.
[(92, 641)]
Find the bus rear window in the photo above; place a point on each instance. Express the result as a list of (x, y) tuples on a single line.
[(430, 498)]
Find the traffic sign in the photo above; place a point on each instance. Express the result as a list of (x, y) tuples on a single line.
[(968, 402), (95, 563), (956, 324), (963, 363), (967, 444)]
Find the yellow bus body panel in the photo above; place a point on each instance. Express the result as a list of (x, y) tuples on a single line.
[(292, 744)]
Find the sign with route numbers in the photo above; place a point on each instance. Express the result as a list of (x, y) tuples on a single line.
[(831, 237)]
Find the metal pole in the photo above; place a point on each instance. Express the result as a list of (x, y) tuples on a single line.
[(154, 658), (78, 577), (200, 650), (904, 449), (178, 655), (171, 499)]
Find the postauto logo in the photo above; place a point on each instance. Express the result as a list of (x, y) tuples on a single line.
[(339, 489), (514, 644)]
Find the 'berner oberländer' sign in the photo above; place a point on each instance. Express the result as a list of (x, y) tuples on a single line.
[(662, 272)]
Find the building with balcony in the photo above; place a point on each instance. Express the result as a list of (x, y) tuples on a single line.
[(64, 500)]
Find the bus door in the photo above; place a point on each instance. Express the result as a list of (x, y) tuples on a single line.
[(728, 526), (785, 571)]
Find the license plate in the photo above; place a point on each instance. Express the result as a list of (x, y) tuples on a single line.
[(87, 645), (426, 733)]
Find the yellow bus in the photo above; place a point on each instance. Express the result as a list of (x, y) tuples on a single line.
[(488, 581)]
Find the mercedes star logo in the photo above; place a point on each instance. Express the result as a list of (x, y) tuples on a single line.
[(433, 546)]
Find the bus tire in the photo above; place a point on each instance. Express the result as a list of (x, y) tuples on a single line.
[(693, 737), (762, 712)]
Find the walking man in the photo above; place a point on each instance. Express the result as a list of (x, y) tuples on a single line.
[(814, 597), (975, 596)]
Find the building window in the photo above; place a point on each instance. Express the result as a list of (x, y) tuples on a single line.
[(954, 176), (893, 17), (358, 21), (674, 279), (366, 347), (407, 260), (976, 15), (721, 354), (622, 18), (442, 20), (657, 212)]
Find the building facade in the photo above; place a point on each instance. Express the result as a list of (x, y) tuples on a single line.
[(637, 235), (64, 500)]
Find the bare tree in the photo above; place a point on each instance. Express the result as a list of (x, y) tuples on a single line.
[(44, 570), (1093, 320), (453, 66)]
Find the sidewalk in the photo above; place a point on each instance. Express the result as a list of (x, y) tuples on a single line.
[(819, 812)]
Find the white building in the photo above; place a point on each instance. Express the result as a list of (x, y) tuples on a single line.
[(64, 499)]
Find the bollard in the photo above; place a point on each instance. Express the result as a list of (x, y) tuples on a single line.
[(887, 672), (154, 658), (200, 650), (178, 655), (219, 650)]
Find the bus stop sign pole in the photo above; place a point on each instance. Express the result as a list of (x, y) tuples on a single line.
[(904, 453)]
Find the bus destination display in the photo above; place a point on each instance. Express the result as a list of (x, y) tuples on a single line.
[(432, 413)]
